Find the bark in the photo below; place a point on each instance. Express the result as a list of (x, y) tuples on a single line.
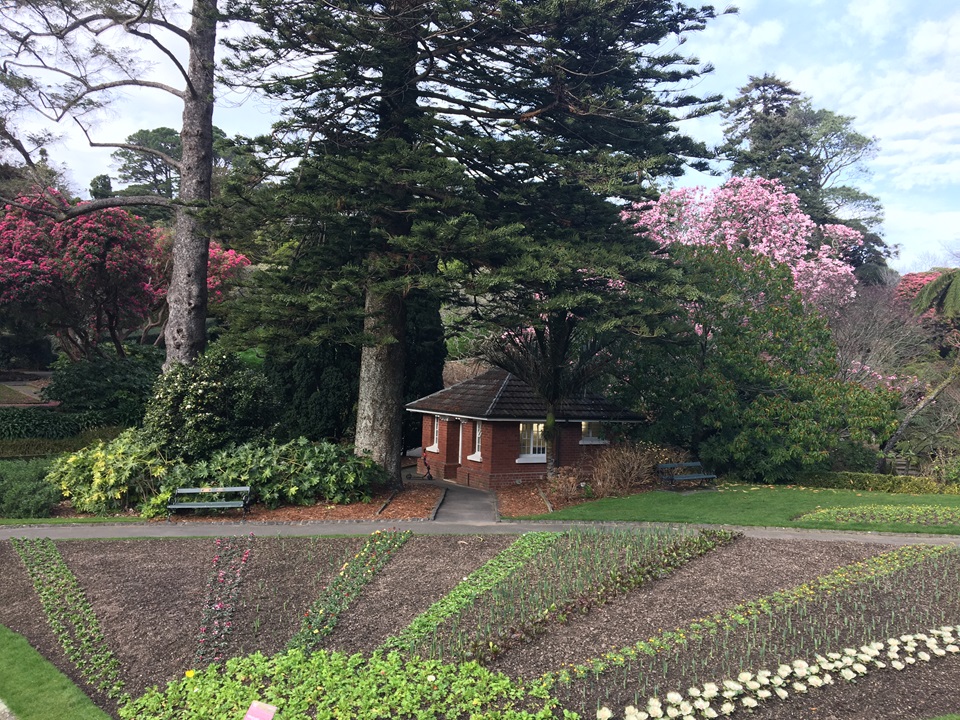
[(186, 332), (380, 405), (550, 441)]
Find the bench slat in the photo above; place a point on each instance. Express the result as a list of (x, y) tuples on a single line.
[(212, 504), (244, 502)]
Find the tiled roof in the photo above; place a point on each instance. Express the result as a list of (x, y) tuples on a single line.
[(498, 395)]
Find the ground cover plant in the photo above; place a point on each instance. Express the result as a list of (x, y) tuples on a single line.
[(764, 505), (754, 591)]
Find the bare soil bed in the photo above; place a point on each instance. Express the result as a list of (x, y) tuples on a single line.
[(149, 595)]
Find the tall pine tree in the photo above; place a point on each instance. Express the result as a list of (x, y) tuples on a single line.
[(449, 138)]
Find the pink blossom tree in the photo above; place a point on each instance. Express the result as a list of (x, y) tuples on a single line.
[(86, 279), (759, 216), (95, 277)]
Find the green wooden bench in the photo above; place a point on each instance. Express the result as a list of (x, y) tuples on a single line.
[(206, 498), (686, 472)]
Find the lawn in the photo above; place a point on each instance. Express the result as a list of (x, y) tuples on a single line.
[(760, 505), (399, 626), (9, 396)]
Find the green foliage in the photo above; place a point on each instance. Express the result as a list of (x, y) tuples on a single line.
[(70, 614), (17, 423), (23, 491), (133, 471), (850, 456), (116, 388), (317, 385), (751, 386), (895, 484), (44, 447), (880, 514), (320, 620), (218, 401), (106, 477), (942, 295), (354, 686)]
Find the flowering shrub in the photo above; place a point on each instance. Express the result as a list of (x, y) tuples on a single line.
[(86, 278), (757, 215), (223, 587)]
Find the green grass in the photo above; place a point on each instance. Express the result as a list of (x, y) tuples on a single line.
[(34, 689), (947, 717), (10, 396), (757, 505)]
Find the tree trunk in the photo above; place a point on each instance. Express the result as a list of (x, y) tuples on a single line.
[(925, 402), (186, 331), (550, 440), (380, 405)]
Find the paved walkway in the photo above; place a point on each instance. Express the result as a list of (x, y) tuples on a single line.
[(464, 511)]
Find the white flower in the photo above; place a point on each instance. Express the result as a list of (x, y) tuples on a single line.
[(800, 664), (753, 685), (909, 660), (923, 656), (749, 702), (431, 678), (631, 713), (693, 692), (863, 657), (939, 652), (604, 713), (827, 679), (732, 685), (799, 687), (879, 665), (674, 698), (897, 665), (686, 709), (952, 648), (849, 651), (701, 704), (672, 711), (726, 708), (848, 674), (776, 681), (710, 690), (800, 672), (744, 677), (784, 671), (710, 713), (764, 676), (859, 668), (764, 694), (781, 693), (814, 681), (834, 656)]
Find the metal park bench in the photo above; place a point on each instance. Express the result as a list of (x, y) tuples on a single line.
[(217, 498), (687, 472)]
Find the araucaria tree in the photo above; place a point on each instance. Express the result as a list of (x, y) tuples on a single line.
[(433, 133), (63, 59)]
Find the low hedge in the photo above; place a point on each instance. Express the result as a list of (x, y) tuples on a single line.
[(20, 423), (24, 448), (872, 482), (23, 491)]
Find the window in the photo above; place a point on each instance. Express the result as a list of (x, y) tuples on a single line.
[(532, 446), (435, 445), (590, 434), (477, 436)]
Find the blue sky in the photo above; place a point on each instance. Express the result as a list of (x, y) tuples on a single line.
[(894, 65)]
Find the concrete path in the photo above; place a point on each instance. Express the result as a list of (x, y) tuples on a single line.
[(466, 506), (5, 713)]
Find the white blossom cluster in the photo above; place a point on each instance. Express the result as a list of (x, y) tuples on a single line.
[(749, 689)]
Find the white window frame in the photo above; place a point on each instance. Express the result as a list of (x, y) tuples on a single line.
[(435, 448), (477, 436), (588, 434), (527, 444)]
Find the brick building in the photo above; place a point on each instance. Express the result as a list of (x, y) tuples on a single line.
[(487, 432)]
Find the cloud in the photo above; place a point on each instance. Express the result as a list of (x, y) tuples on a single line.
[(876, 19)]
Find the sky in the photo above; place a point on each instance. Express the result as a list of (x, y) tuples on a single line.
[(892, 65)]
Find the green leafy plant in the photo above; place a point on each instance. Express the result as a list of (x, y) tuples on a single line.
[(916, 514), (17, 423), (198, 409), (320, 620), (895, 484), (23, 491), (70, 614), (116, 388), (26, 448), (223, 587)]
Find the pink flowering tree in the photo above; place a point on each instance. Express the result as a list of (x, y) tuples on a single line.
[(755, 216), (89, 280)]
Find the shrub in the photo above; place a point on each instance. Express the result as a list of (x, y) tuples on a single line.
[(198, 409), (897, 484), (18, 423), (298, 472), (117, 388), (106, 477), (853, 457), (621, 468), (44, 447), (23, 491)]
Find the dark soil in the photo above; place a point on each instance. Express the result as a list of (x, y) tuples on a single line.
[(149, 595)]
